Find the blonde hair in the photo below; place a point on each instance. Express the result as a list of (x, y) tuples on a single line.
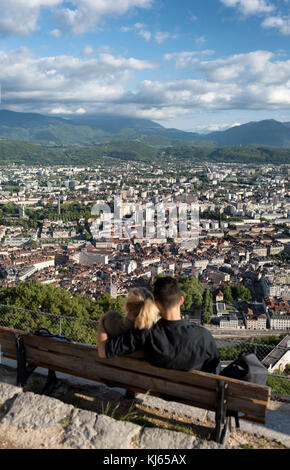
[(141, 306)]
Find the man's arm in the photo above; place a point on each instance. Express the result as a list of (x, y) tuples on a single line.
[(102, 339), (125, 344)]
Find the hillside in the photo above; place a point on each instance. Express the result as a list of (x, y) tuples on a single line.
[(248, 154), (35, 154), (107, 153), (33, 127), (26, 153), (105, 128), (268, 133)]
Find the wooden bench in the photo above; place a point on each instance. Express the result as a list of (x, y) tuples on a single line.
[(222, 395)]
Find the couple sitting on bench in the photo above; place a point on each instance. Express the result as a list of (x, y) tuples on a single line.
[(169, 342)]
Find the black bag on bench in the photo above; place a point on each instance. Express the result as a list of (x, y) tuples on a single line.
[(48, 334), (247, 367), (24, 370)]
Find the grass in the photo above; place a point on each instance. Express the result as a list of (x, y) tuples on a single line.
[(279, 385), (67, 419), (146, 422), (130, 415), (134, 416)]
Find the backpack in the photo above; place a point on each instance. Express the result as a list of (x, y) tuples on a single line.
[(48, 334), (247, 367)]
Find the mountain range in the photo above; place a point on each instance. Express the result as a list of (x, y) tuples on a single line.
[(93, 129)]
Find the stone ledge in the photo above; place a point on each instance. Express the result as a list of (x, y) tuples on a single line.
[(38, 421), (8, 392), (32, 411), (87, 430)]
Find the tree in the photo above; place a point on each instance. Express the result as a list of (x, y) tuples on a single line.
[(241, 292), (207, 306), (38, 297), (192, 292), (228, 298)]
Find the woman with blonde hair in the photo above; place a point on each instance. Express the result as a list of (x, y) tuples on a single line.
[(141, 313)]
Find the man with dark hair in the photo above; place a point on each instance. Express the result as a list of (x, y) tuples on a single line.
[(167, 292), (172, 343)]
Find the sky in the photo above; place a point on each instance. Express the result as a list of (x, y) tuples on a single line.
[(195, 65)]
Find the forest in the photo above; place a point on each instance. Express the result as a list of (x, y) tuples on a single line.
[(81, 312), (136, 150)]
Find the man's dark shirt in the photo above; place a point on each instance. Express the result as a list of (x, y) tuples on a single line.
[(170, 344)]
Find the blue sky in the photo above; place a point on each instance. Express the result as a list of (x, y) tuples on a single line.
[(196, 65)]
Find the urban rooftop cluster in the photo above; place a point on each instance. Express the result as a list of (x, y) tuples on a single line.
[(51, 232)]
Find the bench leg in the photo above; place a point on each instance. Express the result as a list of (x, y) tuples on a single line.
[(129, 395), (221, 418), (51, 383), (24, 371)]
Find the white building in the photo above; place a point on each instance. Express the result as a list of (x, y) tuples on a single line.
[(279, 357), (147, 262), (45, 263), (131, 266), (201, 263), (26, 272), (89, 258), (280, 322), (229, 322)]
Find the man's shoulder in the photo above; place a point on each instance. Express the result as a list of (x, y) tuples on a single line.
[(198, 330)]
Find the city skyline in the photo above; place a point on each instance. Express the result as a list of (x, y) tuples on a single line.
[(195, 66)]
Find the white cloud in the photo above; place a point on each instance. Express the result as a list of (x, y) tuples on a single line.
[(135, 27), (20, 16), (88, 50), (186, 59), (88, 13), (119, 62), (145, 34), (160, 36), (250, 7), (200, 39), (279, 22), (65, 82), (56, 33), (215, 127), (242, 81), (139, 25), (140, 29), (63, 110), (258, 80), (273, 18), (238, 66)]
